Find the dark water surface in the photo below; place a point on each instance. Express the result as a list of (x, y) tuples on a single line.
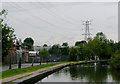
[(92, 72)]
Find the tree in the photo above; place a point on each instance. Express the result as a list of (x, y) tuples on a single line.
[(96, 46), (89, 48), (7, 35), (44, 51), (43, 54), (73, 53), (101, 36), (65, 50), (78, 43), (29, 43), (108, 50), (45, 45), (115, 60), (65, 44), (29, 46), (64, 53), (100, 45), (81, 51), (118, 46), (55, 51)]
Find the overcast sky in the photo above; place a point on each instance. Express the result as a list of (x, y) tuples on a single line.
[(58, 22)]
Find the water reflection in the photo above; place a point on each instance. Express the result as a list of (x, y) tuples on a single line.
[(115, 74), (91, 72)]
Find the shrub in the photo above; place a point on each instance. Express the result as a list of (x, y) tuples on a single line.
[(115, 60)]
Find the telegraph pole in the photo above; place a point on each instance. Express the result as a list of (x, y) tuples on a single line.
[(87, 33)]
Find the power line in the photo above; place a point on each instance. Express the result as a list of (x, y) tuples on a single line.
[(35, 17), (39, 18), (54, 14)]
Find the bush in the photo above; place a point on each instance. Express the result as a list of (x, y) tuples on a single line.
[(115, 60)]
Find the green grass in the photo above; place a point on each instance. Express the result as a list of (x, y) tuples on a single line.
[(12, 72)]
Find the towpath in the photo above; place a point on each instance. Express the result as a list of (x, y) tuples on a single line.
[(29, 73)]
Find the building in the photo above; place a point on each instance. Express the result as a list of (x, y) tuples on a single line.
[(15, 52), (41, 47)]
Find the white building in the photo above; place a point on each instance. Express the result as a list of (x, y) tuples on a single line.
[(41, 47), (33, 53)]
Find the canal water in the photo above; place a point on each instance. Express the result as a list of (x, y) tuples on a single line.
[(91, 72)]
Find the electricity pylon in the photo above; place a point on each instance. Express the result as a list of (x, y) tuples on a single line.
[(87, 33)]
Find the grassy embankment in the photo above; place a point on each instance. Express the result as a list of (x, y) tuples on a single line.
[(13, 72)]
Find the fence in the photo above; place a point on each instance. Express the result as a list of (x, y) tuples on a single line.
[(13, 57), (25, 58)]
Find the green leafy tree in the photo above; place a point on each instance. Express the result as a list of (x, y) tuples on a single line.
[(89, 48), (64, 53), (44, 51), (86, 52), (45, 45), (97, 46), (55, 50), (100, 45), (29, 46), (73, 53), (44, 54), (108, 50), (115, 60), (81, 52), (7, 35), (101, 36), (117, 45), (78, 43), (65, 50), (29, 43), (65, 44)]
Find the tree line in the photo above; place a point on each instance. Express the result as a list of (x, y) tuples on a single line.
[(99, 46)]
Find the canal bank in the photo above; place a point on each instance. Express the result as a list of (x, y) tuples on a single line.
[(90, 73), (41, 73)]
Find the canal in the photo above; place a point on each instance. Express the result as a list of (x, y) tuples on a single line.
[(91, 72)]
